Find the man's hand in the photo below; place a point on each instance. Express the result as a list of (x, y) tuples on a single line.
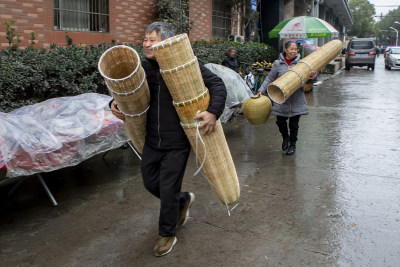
[(209, 121), (116, 112)]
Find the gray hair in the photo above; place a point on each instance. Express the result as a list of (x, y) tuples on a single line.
[(165, 30), (230, 49)]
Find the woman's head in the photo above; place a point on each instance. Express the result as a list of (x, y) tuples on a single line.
[(231, 51), (290, 50)]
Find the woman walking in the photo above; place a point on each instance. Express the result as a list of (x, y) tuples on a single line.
[(294, 106)]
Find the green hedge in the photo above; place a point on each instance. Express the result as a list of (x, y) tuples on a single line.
[(33, 75), (247, 53)]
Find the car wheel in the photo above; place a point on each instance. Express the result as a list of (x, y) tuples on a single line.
[(373, 67), (389, 68), (347, 67)]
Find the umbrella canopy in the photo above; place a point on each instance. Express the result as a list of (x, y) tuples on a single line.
[(303, 27), (306, 40)]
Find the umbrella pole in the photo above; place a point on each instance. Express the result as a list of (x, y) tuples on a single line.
[(302, 48)]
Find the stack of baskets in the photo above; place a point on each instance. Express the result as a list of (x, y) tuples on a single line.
[(126, 80), (181, 72), (283, 87)]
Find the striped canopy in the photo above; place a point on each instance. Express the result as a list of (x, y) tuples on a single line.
[(303, 27)]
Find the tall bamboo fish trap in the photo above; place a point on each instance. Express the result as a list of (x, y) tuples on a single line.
[(283, 87), (125, 78), (181, 72)]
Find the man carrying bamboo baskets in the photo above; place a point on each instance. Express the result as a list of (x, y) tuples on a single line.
[(166, 149)]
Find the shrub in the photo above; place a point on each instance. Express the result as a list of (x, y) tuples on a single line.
[(247, 53), (33, 75)]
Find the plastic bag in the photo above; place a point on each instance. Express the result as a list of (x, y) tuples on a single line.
[(57, 133), (237, 90)]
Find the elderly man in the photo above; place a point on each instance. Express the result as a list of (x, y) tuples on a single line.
[(166, 149)]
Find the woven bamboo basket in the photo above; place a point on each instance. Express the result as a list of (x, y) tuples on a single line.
[(121, 68), (181, 73), (283, 87), (257, 109)]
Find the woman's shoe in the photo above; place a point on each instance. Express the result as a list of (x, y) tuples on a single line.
[(291, 150), (285, 143)]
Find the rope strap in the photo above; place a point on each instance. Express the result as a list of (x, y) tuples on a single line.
[(131, 92), (134, 115), (298, 74), (191, 101), (194, 60)]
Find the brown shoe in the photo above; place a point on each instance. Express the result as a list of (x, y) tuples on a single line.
[(183, 215), (164, 245)]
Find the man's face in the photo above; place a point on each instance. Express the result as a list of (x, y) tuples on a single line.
[(232, 53), (150, 39)]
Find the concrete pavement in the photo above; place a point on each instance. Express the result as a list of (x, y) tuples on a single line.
[(335, 202)]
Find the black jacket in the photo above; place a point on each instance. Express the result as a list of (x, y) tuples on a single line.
[(163, 125), (231, 63)]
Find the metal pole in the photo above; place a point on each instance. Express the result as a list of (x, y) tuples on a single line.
[(49, 194), (397, 33)]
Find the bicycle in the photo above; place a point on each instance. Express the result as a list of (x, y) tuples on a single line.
[(254, 78)]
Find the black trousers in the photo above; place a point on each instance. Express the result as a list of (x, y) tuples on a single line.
[(293, 126), (162, 172)]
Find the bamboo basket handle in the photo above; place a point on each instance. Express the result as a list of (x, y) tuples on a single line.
[(256, 96)]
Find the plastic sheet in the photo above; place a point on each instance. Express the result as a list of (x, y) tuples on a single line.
[(237, 90), (58, 133)]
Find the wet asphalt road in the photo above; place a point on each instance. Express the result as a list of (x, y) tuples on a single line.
[(336, 202)]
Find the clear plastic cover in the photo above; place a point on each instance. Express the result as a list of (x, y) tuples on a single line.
[(58, 133), (237, 90)]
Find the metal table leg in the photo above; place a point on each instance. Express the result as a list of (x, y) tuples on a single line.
[(134, 150), (52, 199), (19, 182)]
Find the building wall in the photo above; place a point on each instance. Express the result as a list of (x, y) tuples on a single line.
[(128, 21), (200, 13)]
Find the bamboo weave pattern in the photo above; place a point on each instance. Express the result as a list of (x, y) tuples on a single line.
[(181, 72), (283, 87), (125, 78)]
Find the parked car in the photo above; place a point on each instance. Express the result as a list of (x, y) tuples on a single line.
[(392, 58), (360, 52)]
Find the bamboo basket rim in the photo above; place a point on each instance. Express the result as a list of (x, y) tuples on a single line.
[(107, 51), (131, 92), (191, 101), (170, 41), (298, 74), (304, 62), (181, 67), (135, 115), (283, 93)]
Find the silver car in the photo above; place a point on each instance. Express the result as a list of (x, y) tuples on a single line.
[(361, 52), (392, 58)]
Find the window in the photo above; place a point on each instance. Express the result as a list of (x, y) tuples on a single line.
[(395, 50), (81, 15), (221, 19), (362, 45)]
